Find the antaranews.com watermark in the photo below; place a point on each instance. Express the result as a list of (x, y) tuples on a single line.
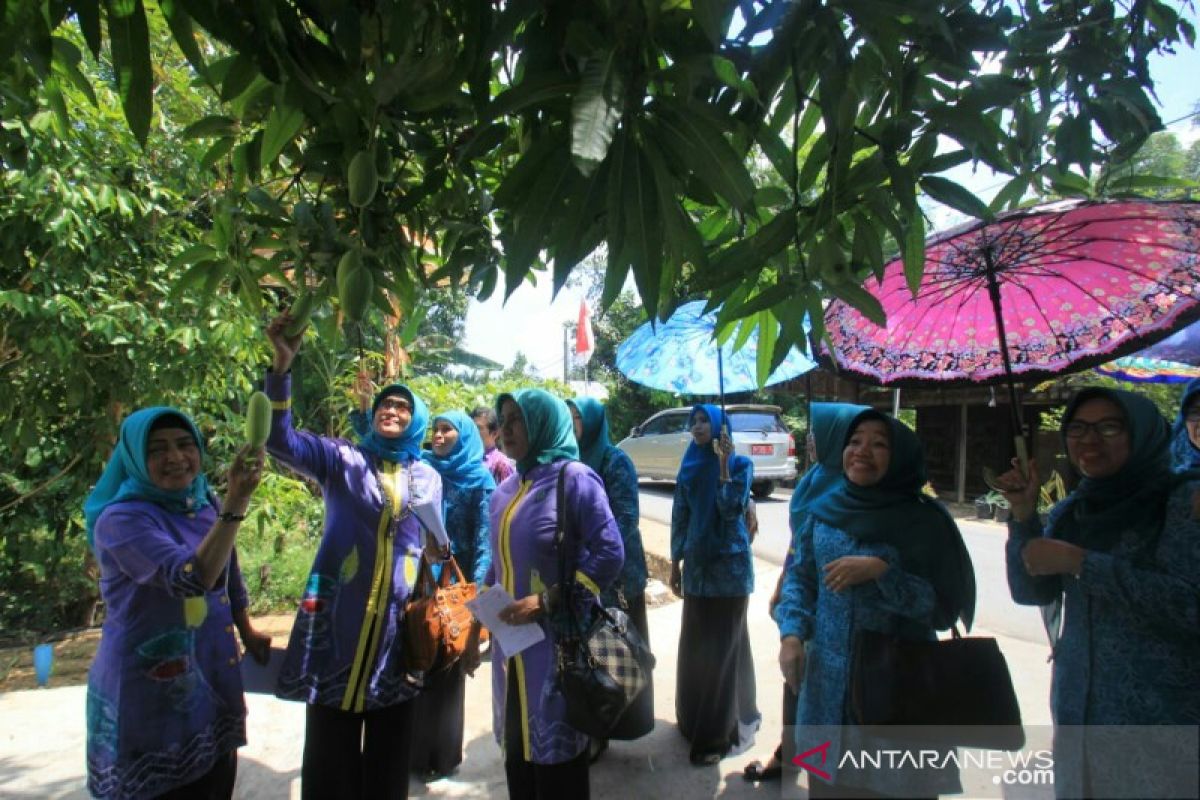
[(1101, 762)]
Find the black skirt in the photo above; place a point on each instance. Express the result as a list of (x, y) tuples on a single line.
[(715, 701), (437, 741), (638, 719)]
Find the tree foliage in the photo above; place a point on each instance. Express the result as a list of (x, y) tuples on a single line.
[(462, 141)]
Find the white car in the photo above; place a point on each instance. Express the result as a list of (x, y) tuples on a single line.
[(657, 445)]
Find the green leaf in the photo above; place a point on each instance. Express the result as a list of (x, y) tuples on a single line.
[(193, 255), (955, 196), (710, 17), (914, 249), (129, 43), (242, 72), (532, 90), (54, 99), (181, 28), (88, 13), (219, 150), (211, 126), (711, 158), (283, 123), (643, 230), (66, 62), (595, 112), (1010, 196), (862, 300), (768, 333)]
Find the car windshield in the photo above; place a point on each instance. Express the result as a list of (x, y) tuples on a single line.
[(752, 421)]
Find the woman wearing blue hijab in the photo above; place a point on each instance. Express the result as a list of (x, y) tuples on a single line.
[(712, 569), (616, 469), (467, 487), (345, 658), (1118, 570), (874, 554), (1185, 436), (165, 713), (830, 425)]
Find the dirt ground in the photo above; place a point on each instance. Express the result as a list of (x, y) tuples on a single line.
[(73, 655)]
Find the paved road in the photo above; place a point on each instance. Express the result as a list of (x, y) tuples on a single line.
[(995, 611)]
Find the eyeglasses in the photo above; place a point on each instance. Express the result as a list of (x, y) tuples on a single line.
[(1105, 429), (394, 404)]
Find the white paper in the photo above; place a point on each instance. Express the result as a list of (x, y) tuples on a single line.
[(511, 639), (430, 518)]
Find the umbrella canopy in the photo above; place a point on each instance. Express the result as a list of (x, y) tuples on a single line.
[(681, 355), (1175, 359), (1032, 294)]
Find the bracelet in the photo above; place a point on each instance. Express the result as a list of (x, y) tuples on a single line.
[(226, 516)]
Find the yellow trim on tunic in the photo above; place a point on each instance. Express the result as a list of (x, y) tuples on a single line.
[(381, 585), (587, 583), (281, 405), (508, 580)]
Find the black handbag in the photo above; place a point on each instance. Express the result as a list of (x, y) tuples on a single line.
[(603, 664), (954, 692)]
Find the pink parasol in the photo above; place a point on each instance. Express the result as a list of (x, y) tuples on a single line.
[(1031, 294)]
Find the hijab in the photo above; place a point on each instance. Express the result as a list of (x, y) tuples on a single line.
[(700, 470), (595, 442), (126, 478), (1099, 509), (407, 446), (894, 511), (548, 424), (830, 428), (463, 466), (1184, 453)]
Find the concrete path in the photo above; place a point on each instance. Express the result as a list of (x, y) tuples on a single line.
[(42, 731)]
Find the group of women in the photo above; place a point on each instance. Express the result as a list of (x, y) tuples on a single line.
[(1120, 557), (165, 708)]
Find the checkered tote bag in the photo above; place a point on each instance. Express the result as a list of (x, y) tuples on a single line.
[(603, 665)]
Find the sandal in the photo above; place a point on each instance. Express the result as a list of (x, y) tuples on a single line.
[(756, 772)]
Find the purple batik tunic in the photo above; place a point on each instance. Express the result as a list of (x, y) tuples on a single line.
[(165, 689), (345, 647), (524, 562), (500, 465)]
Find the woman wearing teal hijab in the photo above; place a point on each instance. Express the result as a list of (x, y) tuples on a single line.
[(616, 469), (165, 711), (1118, 571), (543, 756), (712, 569), (874, 554), (467, 487), (345, 658), (830, 425)]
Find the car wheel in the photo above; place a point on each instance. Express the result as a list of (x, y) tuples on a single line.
[(762, 489)]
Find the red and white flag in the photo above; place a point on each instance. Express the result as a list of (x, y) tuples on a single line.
[(585, 341)]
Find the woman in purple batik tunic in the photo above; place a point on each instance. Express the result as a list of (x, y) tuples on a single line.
[(544, 758), (345, 656), (165, 713)]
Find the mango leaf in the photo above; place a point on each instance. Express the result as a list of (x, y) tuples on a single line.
[(955, 196), (862, 300), (88, 14), (129, 44), (710, 157), (66, 61), (211, 126), (181, 28), (643, 229), (532, 90), (283, 123), (595, 112), (219, 150), (914, 249), (768, 333)]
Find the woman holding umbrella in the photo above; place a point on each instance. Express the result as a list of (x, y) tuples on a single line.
[(712, 569), (1118, 565)]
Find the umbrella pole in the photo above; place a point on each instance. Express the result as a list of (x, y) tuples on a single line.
[(1018, 424), (721, 389)]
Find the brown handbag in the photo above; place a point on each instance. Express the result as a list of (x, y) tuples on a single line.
[(437, 622)]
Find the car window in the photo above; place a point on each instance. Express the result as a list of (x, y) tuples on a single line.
[(657, 425), (756, 421), (679, 423)]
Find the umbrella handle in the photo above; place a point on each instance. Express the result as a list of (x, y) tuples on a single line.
[(1022, 455)]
